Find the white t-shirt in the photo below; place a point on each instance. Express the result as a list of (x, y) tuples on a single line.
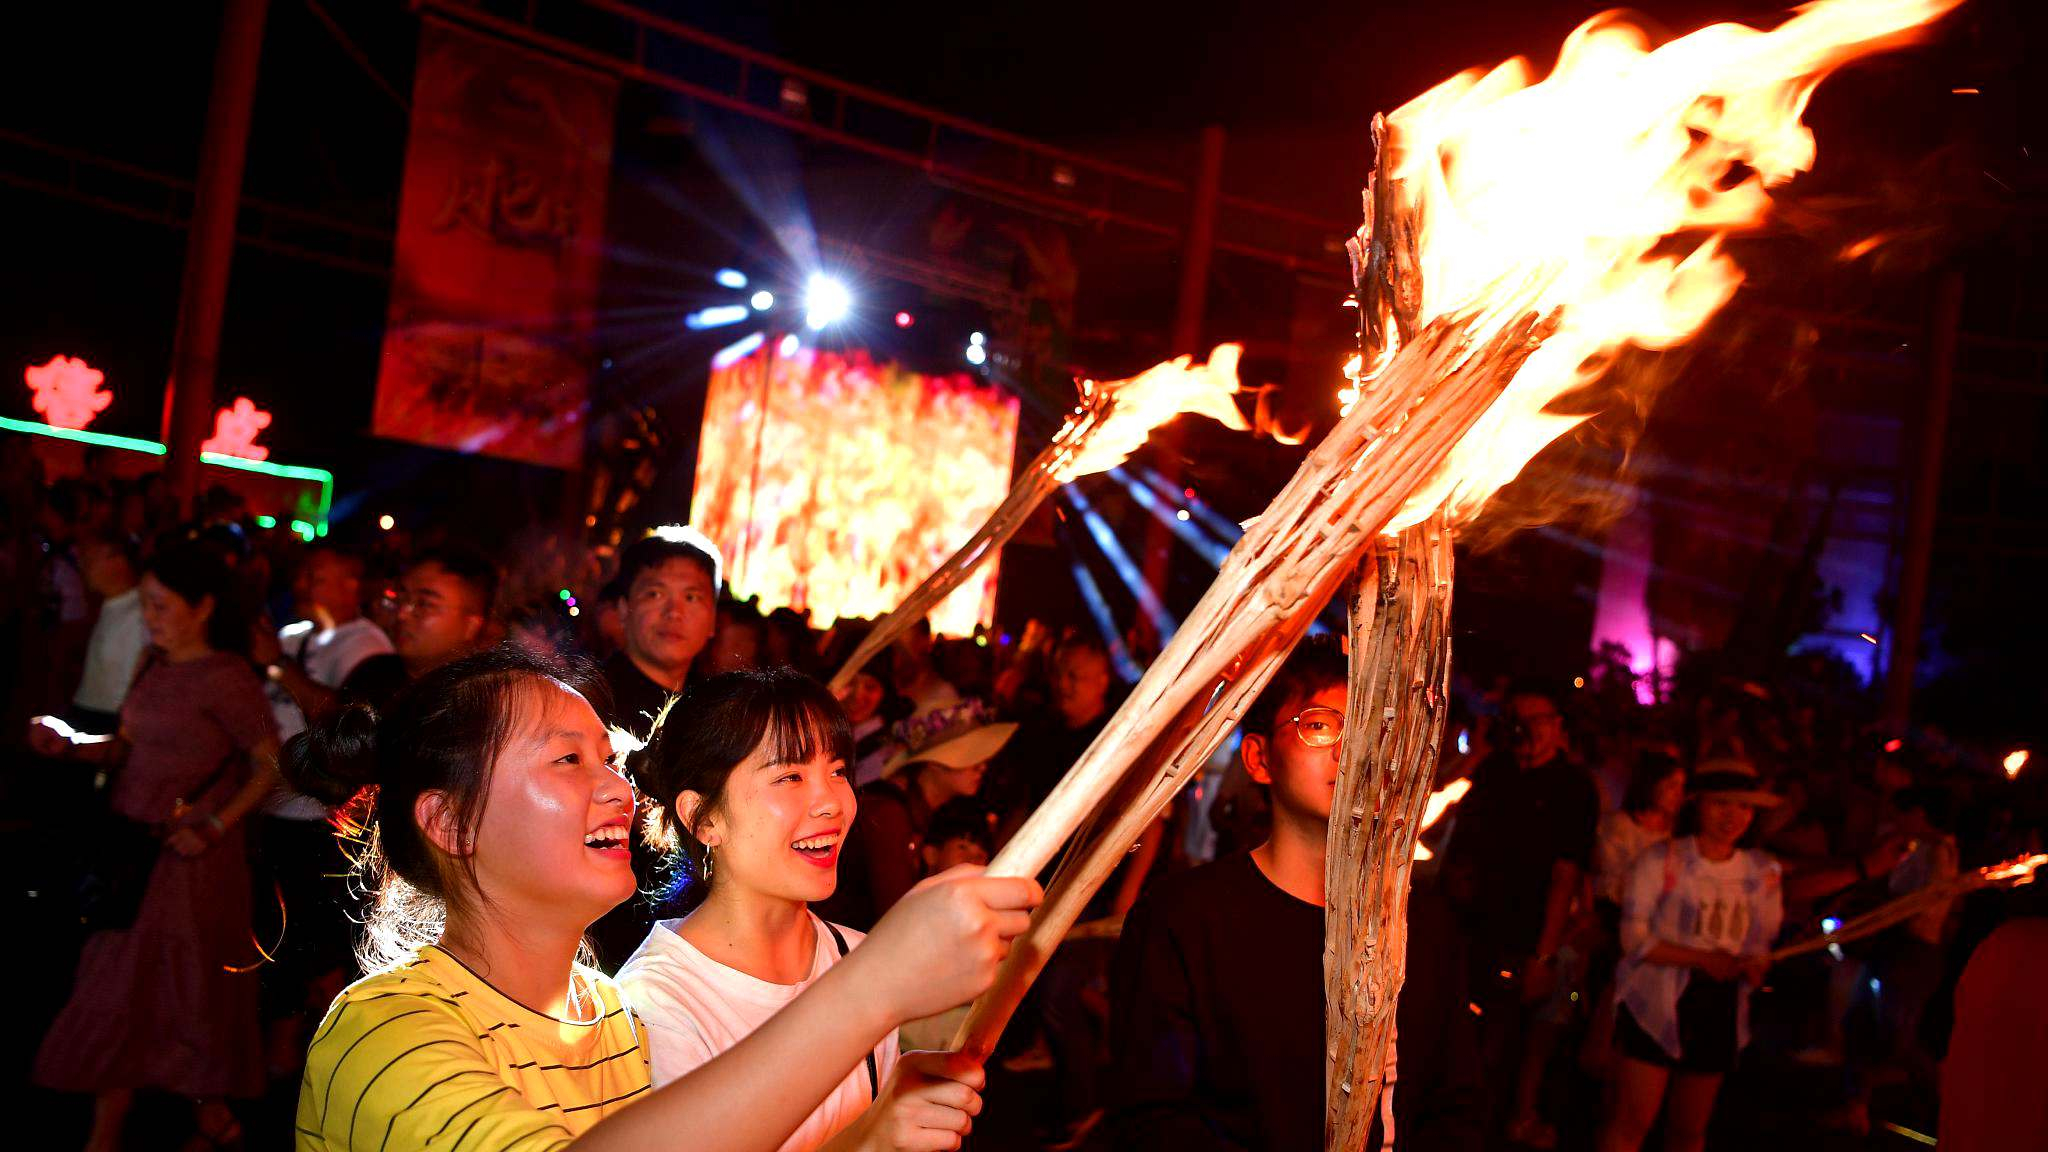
[(1717, 893), (118, 638), (695, 1008), (328, 657)]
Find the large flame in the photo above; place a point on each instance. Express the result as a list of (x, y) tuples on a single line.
[(1613, 181), (1138, 405)]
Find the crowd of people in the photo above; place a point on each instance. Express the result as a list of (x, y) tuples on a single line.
[(436, 846)]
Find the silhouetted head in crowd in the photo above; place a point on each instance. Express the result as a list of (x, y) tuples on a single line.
[(748, 772), (110, 563), (444, 608), (328, 586), (1080, 681), (1535, 720), (1656, 783), (786, 640), (222, 505), (667, 592), (736, 642), (959, 834), (1292, 732), (192, 605), (489, 789), (910, 658)]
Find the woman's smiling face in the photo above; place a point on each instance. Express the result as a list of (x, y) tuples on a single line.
[(779, 826), (554, 837)]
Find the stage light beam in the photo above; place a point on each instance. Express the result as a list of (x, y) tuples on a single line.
[(717, 317), (736, 351), (1112, 549), (763, 300), (731, 278)]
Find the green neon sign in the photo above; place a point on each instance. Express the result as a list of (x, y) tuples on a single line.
[(317, 526)]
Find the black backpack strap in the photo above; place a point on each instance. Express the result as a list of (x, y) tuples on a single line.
[(874, 1074)]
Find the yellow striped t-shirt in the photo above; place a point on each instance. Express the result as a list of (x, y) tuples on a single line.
[(430, 1055)]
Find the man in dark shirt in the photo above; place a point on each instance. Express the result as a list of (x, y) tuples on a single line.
[(1519, 858), (444, 612), (1216, 992), (668, 605)]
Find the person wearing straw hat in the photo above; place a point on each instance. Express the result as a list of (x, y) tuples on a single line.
[(1698, 917), (940, 755)]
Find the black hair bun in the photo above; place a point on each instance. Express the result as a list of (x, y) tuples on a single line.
[(334, 760)]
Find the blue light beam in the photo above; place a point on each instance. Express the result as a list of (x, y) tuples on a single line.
[(737, 351), (717, 317), (1205, 545), (1112, 550), (1098, 607)]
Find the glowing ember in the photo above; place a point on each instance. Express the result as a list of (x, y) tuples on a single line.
[(67, 392), (1440, 802), (1607, 189), (833, 484), (1138, 405), (2014, 761), (235, 429)]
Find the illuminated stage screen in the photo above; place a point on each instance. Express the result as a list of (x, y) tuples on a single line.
[(834, 483)]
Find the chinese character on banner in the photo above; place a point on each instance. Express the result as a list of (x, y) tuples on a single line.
[(235, 429), (67, 392), (489, 344)]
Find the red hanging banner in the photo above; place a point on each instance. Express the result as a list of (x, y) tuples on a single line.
[(488, 346)]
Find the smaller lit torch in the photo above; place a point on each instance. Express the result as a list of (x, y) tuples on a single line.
[(1109, 422)]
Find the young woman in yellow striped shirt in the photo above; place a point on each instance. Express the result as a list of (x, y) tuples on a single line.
[(500, 834)]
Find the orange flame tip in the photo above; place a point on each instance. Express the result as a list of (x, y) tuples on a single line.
[(1151, 398)]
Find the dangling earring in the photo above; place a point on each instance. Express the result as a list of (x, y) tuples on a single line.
[(707, 867)]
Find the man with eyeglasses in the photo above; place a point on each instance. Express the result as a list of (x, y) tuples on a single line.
[(1517, 865), (1216, 993), (444, 612)]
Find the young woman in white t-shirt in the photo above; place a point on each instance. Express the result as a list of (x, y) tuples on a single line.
[(1697, 921), (748, 771)]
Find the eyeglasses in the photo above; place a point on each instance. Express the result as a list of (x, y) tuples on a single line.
[(1319, 727)]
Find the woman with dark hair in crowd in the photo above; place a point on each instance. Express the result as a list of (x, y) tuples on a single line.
[(1698, 917), (167, 1000), (748, 775), (940, 755), (498, 831), (1648, 815)]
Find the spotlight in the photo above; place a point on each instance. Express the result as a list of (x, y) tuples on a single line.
[(1181, 515), (905, 319), (566, 595), (977, 355), (763, 300), (788, 347), (731, 278), (976, 338), (2015, 760), (387, 522), (826, 301)]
